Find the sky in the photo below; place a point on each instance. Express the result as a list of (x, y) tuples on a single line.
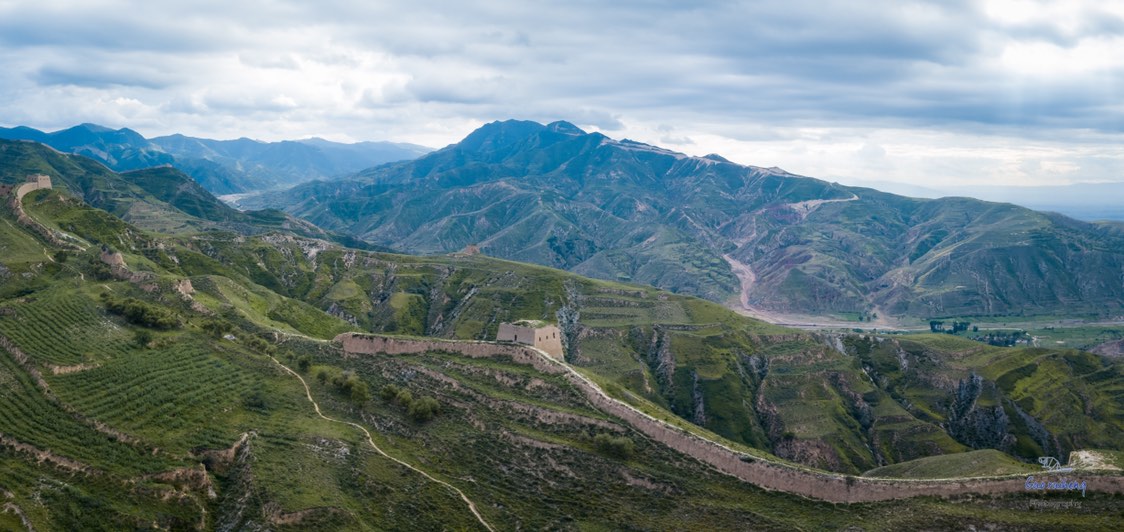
[(945, 95)]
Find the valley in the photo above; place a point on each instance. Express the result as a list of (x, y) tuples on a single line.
[(201, 358), (563, 266)]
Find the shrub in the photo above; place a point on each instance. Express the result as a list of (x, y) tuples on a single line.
[(259, 345), (350, 385), (99, 270), (217, 328), (423, 409), (303, 363), (404, 398), (360, 393), (389, 392), (142, 338), (614, 446), (256, 401)]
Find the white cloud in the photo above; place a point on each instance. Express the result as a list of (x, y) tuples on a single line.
[(1008, 91)]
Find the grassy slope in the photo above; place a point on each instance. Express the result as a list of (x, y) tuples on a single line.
[(987, 462), (787, 393), (188, 391)]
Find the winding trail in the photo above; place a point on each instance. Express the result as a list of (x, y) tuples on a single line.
[(370, 440)]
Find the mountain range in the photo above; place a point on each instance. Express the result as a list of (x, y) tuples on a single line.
[(160, 199), (168, 361), (1083, 201), (757, 237), (221, 166)]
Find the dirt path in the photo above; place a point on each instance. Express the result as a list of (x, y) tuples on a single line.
[(370, 440), (748, 279), (804, 208)]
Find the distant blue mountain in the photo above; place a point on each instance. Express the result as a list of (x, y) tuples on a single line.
[(121, 150), (221, 166)]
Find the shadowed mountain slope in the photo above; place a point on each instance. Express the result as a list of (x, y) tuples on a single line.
[(622, 210)]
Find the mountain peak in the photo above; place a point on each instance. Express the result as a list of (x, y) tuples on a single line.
[(563, 126), (500, 134), (89, 126)]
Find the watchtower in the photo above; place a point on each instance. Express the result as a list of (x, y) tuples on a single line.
[(535, 333)]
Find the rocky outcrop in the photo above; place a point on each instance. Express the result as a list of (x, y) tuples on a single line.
[(568, 316), (240, 506), (55, 238), (755, 470), (698, 401), (1049, 443), (66, 370), (370, 344), (662, 361), (976, 426)]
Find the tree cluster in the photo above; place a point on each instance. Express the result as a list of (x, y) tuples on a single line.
[(140, 313), (614, 446), (349, 385), (1003, 339), (957, 326), (421, 409)]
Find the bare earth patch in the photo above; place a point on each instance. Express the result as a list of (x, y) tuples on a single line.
[(1091, 460)]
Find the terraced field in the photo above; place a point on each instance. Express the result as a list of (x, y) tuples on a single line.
[(36, 424), (43, 323), (170, 397)]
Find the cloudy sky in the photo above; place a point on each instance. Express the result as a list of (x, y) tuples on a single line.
[(940, 94)]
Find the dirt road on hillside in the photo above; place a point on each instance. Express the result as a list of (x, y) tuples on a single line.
[(748, 280)]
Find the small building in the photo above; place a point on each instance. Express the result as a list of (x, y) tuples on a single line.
[(534, 333), (40, 180)]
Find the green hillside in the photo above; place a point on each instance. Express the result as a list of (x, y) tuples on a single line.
[(986, 462), (153, 393), (160, 200), (841, 403)]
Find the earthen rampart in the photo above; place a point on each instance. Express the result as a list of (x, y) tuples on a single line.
[(760, 472)]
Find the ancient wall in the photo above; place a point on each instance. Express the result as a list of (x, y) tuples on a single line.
[(34, 182), (768, 475)]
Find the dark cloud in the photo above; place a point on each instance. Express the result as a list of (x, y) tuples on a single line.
[(103, 76)]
